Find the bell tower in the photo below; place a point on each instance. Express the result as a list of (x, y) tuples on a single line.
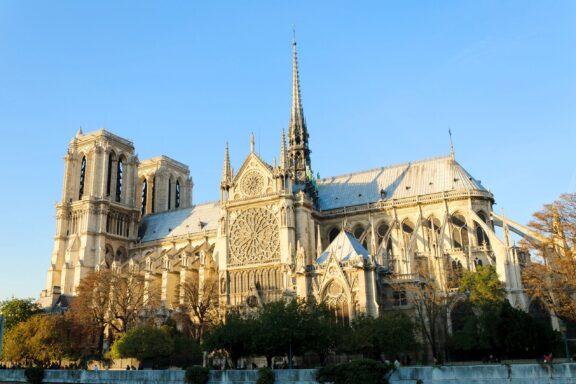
[(97, 219)]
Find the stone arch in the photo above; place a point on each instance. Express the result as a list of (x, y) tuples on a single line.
[(481, 236), (408, 229), (338, 299), (108, 256), (459, 231)]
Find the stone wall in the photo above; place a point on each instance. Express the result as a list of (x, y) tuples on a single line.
[(472, 374)]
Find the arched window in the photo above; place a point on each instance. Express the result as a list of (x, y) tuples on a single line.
[(432, 230), (153, 194), (144, 197), (177, 199), (459, 232), (82, 177), (407, 231), (337, 301), (109, 176), (169, 193), (481, 236), (358, 232), (119, 169), (333, 233)]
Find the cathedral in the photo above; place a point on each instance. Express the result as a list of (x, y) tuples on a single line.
[(351, 241)]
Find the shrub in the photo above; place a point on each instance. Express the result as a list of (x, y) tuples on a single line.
[(34, 375), (354, 372), (197, 375), (265, 376)]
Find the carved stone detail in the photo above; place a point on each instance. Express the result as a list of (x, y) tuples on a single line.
[(254, 237), (252, 184)]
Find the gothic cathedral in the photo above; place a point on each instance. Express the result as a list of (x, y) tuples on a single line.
[(277, 232)]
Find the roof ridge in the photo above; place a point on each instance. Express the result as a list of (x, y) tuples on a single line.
[(390, 166)]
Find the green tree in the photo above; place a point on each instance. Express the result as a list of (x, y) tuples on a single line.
[(234, 336), (40, 339), (483, 286), (144, 343), (18, 310)]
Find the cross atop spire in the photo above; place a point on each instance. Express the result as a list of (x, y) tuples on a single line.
[(299, 153)]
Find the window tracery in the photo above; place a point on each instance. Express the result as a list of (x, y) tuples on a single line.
[(254, 237)]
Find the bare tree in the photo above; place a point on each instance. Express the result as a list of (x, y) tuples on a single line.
[(111, 302), (201, 303), (553, 280)]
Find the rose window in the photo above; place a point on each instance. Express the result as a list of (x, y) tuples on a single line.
[(252, 184), (254, 237)]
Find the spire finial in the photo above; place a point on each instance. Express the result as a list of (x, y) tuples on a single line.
[(299, 153), (293, 35), (227, 169), (283, 151), (451, 144), (252, 142)]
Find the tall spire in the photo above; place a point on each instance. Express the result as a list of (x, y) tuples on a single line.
[(227, 169), (283, 151), (299, 153)]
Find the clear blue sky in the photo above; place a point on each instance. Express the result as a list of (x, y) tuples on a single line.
[(381, 84)]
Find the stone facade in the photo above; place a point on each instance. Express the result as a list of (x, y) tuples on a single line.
[(276, 231)]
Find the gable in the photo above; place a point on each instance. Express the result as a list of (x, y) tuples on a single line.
[(254, 178)]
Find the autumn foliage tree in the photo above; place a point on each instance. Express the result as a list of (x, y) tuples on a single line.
[(553, 280)]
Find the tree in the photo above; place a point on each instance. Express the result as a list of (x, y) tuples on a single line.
[(431, 306), (201, 302), (144, 343), (18, 310), (111, 300), (40, 339), (486, 323), (553, 281), (234, 336), (482, 286), (391, 334)]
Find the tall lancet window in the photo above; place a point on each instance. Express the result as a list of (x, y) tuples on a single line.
[(153, 194), (109, 178), (177, 199), (82, 177), (144, 197), (169, 193), (119, 170)]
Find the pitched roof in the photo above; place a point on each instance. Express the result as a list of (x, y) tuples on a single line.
[(344, 247), (398, 181), (198, 218)]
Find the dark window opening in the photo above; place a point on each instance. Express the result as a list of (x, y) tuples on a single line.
[(153, 194), (109, 178), (177, 198), (82, 177), (169, 193), (144, 197), (119, 170)]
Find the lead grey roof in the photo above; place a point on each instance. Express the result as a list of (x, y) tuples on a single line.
[(344, 247), (198, 218), (398, 181)]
